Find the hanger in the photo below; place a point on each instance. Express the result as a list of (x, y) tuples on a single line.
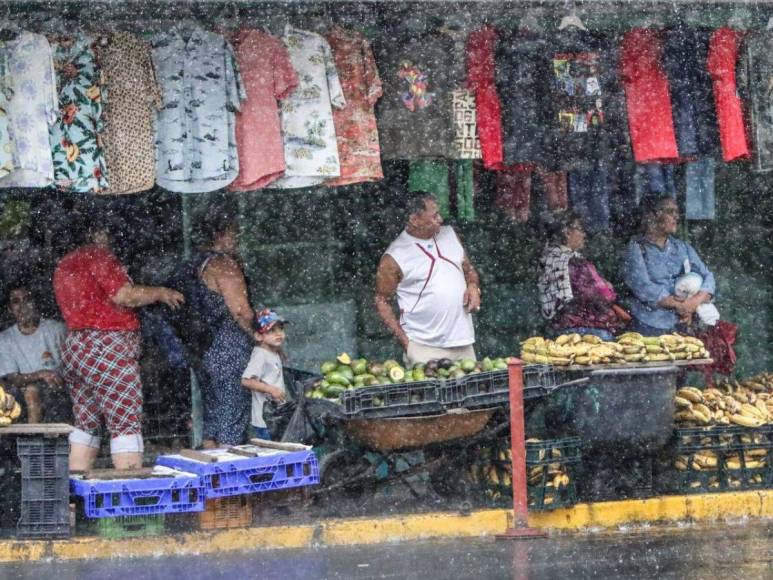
[(571, 20)]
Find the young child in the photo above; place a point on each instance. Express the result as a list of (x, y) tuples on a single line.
[(263, 375)]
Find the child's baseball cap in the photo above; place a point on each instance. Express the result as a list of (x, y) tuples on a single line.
[(265, 320)]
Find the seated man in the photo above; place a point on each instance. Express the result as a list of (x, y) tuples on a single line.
[(30, 358)]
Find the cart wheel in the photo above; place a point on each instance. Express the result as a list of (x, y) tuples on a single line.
[(347, 476)]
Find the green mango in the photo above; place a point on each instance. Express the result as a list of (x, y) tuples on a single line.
[(338, 379), (418, 375), (500, 365), (345, 371), (467, 365), (442, 373), (328, 366), (458, 374), (488, 364), (360, 366)]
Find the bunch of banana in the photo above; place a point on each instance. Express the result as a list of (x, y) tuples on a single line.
[(569, 349), (667, 347), (733, 405), (10, 410)]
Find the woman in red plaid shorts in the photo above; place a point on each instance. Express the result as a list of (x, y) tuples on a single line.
[(100, 352)]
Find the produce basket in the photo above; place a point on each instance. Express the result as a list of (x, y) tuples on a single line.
[(45, 505), (248, 469), (167, 491), (714, 459), (122, 527), (492, 389), (227, 512), (393, 401), (551, 469)]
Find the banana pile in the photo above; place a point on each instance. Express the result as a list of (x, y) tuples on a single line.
[(10, 410), (730, 403), (666, 347), (494, 471), (631, 347), (709, 461), (569, 349)]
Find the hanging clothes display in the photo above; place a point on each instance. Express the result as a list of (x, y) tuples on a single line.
[(450, 181), (512, 193), (311, 149), (685, 52), (587, 117), (414, 116), (523, 84), (654, 178), (32, 107), (268, 77), (196, 128), (554, 187), (647, 97), (481, 80), (721, 61), (699, 190), (355, 123), (6, 94), (758, 76), (589, 195), (133, 97), (466, 141), (79, 160)]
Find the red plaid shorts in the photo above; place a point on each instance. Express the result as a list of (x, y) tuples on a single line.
[(102, 373)]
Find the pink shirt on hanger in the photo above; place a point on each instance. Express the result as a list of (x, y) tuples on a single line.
[(268, 76)]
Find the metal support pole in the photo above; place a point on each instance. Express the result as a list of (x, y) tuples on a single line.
[(519, 528), (197, 418)]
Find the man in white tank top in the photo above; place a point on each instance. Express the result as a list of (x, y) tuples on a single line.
[(436, 285)]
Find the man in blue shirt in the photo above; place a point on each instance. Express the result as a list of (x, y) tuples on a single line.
[(652, 263)]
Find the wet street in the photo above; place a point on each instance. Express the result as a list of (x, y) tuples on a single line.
[(742, 551)]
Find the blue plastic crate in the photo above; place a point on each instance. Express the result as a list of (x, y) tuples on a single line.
[(169, 492), (236, 475)]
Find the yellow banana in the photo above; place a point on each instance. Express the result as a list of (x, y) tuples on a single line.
[(691, 394), (563, 339), (746, 421), (591, 339), (682, 402)]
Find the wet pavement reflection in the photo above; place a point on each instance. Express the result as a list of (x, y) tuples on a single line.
[(721, 551)]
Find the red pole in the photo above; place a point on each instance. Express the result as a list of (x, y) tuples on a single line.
[(520, 525)]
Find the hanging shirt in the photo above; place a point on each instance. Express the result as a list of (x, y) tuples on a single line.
[(647, 97), (722, 59), (32, 107), (6, 94), (523, 70), (431, 292), (587, 112), (311, 149), (355, 123), (692, 95), (134, 95), (196, 128), (466, 141), (758, 74), (79, 160), (268, 77), (481, 81), (414, 116)]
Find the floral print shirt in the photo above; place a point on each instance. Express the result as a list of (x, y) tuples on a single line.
[(32, 107), (79, 161), (355, 124), (6, 93), (311, 149), (196, 128)]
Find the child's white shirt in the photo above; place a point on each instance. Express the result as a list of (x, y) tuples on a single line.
[(266, 366)]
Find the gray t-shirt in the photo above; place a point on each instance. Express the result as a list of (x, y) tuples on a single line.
[(265, 366), (29, 353)]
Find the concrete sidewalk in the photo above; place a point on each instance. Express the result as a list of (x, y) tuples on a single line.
[(756, 505)]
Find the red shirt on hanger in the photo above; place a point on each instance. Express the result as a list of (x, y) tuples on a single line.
[(481, 45), (721, 61), (647, 97)]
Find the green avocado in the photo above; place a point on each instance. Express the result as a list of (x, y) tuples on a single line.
[(334, 391), (467, 365), (328, 366), (338, 379), (346, 371)]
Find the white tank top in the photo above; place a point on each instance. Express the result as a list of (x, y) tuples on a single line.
[(431, 292)]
